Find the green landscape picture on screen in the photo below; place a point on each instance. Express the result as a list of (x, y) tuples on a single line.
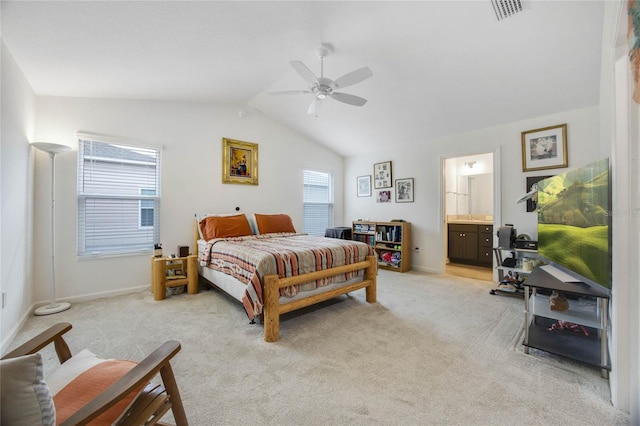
[(574, 221)]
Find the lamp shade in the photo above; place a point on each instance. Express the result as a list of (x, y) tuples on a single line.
[(51, 148)]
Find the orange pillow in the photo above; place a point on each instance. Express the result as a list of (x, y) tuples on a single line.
[(90, 384), (268, 223), (225, 226)]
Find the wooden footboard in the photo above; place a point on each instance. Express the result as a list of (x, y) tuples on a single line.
[(272, 285)]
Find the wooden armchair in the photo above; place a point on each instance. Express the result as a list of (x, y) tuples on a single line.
[(150, 401)]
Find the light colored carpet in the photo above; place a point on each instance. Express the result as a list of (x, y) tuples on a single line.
[(435, 349)]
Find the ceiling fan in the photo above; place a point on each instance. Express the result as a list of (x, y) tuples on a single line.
[(322, 87)]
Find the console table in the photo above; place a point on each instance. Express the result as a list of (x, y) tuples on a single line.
[(580, 332)]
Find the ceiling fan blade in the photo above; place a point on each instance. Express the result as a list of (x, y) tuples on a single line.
[(304, 72), (290, 92), (352, 78), (313, 106), (348, 99)]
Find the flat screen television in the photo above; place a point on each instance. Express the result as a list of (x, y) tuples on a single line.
[(574, 222)]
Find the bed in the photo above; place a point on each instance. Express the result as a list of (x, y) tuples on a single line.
[(272, 270)]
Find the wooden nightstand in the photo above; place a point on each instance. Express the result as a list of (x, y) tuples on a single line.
[(160, 279)]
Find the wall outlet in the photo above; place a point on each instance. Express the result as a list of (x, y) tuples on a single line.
[(416, 250)]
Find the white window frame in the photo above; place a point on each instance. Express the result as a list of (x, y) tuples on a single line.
[(99, 185), (142, 205), (311, 199)]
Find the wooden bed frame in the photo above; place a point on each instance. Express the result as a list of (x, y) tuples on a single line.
[(272, 284)]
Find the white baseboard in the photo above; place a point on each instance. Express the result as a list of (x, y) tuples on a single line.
[(99, 295), (425, 269)]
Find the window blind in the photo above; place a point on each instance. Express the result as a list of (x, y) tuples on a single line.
[(318, 202), (118, 197)]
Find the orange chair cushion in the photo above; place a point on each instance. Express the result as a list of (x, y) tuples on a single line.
[(87, 385)]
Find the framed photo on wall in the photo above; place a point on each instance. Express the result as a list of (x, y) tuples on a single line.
[(544, 148), (384, 196), (239, 162), (404, 190), (364, 186), (382, 175)]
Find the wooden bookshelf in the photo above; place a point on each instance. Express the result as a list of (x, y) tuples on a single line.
[(390, 240)]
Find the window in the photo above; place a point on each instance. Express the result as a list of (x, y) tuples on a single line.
[(118, 197), (147, 209), (318, 202)]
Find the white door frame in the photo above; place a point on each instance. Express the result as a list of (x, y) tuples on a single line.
[(497, 199)]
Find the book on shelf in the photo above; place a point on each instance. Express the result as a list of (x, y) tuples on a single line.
[(368, 239), (389, 233), (363, 227)]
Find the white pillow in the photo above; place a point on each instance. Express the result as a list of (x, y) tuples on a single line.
[(24, 396), (72, 368)]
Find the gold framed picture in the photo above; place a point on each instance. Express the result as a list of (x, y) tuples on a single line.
[(544, 148), (239, 162)]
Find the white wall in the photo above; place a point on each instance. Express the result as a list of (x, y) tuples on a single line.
[(16, 167), (191, 134), (583, 135), (620, 118)]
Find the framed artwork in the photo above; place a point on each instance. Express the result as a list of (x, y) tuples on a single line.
[(544, 148), (532, 184), (364, 186), (382, 175), (384, 197), (404, 190), (239, 162)]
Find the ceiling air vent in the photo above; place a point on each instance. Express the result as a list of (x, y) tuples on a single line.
[(506, 8)]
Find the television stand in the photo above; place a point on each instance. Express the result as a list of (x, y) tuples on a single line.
[(511, 278), (579, 333)]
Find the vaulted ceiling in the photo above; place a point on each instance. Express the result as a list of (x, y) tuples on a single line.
[(439, 67)]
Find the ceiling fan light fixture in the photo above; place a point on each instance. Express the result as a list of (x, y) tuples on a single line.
[(322, 87)]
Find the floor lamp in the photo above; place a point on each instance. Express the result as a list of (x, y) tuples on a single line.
[(53, 307)]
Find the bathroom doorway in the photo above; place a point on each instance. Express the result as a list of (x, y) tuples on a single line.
[(469, 199)]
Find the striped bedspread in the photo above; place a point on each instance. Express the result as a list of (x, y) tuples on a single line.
[(250, 258)]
